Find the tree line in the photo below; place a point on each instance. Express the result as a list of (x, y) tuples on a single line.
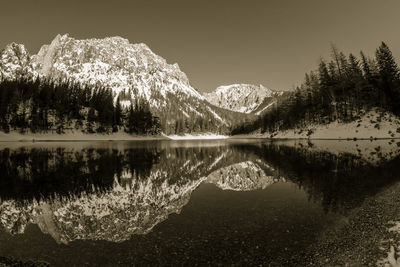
[(41, 105), (341, 89), (45, 105)]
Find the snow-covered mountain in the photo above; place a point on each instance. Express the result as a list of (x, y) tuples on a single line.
[(245, 98), (130, 70), (114, 63), (15, 61)]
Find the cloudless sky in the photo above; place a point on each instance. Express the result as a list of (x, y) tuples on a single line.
[(216, 42)]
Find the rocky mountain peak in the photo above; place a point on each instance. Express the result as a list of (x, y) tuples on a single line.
[(245, 98), (113, 62), (14, 61)]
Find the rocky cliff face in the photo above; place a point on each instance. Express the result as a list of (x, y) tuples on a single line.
[(245, 98), (114, 63), (15, 61)]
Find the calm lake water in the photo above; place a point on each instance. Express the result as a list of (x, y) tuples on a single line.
[(182, 203)]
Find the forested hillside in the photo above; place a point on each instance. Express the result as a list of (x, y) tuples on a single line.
[(341, 89), (44, 106)]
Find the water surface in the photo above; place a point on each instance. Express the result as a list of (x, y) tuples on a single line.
[(184, 202)]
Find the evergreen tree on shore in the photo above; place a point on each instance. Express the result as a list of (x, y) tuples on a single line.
[(340, 90)]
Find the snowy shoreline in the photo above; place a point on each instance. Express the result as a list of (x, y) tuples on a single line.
[(207, 136), (371, 126), (79, 136), (99, 137)]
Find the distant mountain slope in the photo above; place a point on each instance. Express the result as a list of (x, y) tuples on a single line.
[(245, 98), (131, 71)]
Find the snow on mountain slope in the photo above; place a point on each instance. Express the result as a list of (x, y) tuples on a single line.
[(265, 107), (15, 62), (113, 62), (130, 70), (245, 98)]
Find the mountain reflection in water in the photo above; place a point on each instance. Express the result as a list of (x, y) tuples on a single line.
[(112, 191)]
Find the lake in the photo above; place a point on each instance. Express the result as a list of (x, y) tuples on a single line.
[(215, 202)]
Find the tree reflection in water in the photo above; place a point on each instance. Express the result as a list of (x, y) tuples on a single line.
[(113, 192)]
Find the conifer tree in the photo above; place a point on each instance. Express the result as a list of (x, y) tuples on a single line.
[(118, 113), (389, 76)]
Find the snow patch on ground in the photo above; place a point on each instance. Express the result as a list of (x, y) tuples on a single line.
[(373, 124), (196, 136)]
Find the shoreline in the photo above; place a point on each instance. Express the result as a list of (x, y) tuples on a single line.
[(310, 138), (366, 236), (83, 137), (77, 138), (111, 138), (373, 125)]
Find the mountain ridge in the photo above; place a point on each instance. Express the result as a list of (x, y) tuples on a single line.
[(244, 98)]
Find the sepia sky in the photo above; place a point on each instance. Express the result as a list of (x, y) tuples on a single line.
[(216, 42)]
